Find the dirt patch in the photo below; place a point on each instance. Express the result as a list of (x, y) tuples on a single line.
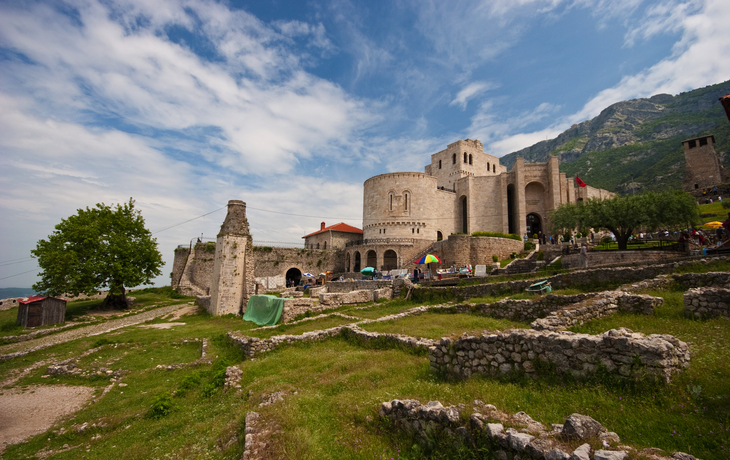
[(33, 410), (190, 310), (162, 325)]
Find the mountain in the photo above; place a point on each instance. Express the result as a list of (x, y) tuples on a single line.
[(636, 145)]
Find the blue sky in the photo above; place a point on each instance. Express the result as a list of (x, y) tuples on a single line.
[(291, 105)]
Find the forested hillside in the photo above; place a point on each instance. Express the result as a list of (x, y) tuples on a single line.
[(636, 144)]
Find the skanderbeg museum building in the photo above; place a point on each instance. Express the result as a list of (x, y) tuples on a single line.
[(463, 190)]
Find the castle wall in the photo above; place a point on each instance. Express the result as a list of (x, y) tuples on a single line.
[(461, 250), (331, 240), (178, 265)]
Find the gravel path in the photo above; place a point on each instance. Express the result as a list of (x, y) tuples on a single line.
[(40, 343)]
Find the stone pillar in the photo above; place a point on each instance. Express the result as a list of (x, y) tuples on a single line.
[(553, 171), (230, 286), (519, 170)]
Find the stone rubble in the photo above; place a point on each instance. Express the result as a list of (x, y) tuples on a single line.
[(707, 302), (526, 439)]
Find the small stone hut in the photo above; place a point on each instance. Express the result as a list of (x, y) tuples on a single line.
[(40, 311)]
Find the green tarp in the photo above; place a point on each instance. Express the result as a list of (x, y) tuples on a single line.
[(264, 310)]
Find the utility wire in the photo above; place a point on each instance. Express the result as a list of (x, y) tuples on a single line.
[(18, 274), (13, 260), (189, 220), (19, 262), (302, 215)]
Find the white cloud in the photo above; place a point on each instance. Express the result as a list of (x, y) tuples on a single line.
[(470, 91)]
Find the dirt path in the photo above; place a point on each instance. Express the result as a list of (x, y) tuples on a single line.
[(96, 329)]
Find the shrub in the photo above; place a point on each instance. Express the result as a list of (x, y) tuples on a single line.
[(534, 236), (513, 255), (495, 258), (726, 204), (496, 235), (540, 255), (161, 407), (529, 246)]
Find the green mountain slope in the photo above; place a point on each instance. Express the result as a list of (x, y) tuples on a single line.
[(636, 145)]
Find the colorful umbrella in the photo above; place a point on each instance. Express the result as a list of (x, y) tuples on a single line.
[(428, 259), (307, 275), (714, 224), (367, 271)]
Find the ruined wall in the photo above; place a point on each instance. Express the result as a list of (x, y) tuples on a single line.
[(474, 250), (603, 258), (232, 280), (619, 351), (704, 303), (272, 262), (178, 265)]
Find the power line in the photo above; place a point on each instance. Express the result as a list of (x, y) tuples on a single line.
[(19, 262), (302, 215), (189, 220), (13, 260), (18, 274)]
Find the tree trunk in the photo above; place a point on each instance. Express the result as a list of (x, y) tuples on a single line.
[(115, 301)]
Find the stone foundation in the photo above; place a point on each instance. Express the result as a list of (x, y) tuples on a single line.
[(619, 351), (704, 303), (355, 297)]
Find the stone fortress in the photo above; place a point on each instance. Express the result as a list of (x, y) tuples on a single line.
[(405, 214), (463, 190)]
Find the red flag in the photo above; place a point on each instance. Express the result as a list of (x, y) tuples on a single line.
[(579, 182)]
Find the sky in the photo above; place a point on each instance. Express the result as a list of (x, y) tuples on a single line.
[(290, 106)]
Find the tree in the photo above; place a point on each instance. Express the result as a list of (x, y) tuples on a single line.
[(98, 248), (624, 214)]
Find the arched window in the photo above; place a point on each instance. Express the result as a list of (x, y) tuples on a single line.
[(470, 159), (488, 167), (439, 236), (405, 201), (464, 157), (390, 198), (325, 245), (453, 158)]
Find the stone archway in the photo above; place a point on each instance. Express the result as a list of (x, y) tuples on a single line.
[(356, 267), (390, 260), (293, 276), (534, 224), (372, 259)]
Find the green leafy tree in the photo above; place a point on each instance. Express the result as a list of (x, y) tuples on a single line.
[(98, 248), (622, 215)]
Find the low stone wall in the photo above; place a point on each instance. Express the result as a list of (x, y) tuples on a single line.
[(525, 439), (618, 351), (604, 304), (349, 286), (703, 303), (253, 346), (697, 280), (524, 310), (355, 297), (7, 304), (603, 258), (298, 306), (598, 276)]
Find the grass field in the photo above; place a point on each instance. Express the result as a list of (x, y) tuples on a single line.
[(333, 388)]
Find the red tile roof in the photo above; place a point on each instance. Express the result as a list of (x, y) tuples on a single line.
[(341, 227)]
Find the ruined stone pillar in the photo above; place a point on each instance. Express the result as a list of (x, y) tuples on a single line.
[(230, 285)]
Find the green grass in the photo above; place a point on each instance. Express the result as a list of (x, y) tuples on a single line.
[(436, 325), (334, 389)]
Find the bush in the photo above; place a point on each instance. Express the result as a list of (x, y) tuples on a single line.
[(511, 236), (161, 407), (513, 255), (534, 236), (529, 246), (726, 204), (495, 258), (540, 255)]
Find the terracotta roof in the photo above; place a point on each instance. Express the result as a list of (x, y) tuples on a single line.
[(341, 227)]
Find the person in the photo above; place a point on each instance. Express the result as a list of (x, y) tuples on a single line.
[(726, 224), (584, 256), (342, 278), (415, 275)]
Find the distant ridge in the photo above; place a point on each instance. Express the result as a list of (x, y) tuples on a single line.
[(14, 292), (636, 145)]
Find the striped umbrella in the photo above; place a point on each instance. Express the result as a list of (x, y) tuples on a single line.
[(428, 259)]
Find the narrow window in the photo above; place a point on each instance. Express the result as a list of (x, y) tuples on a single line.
[(418, 230), (488, 167), (470, 159), (406, 200), (464, 157), (453, 158), (391, 202), (439, 164), (494, 168), (383, 231), (413, 230), (325, 245), (703, 141)]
